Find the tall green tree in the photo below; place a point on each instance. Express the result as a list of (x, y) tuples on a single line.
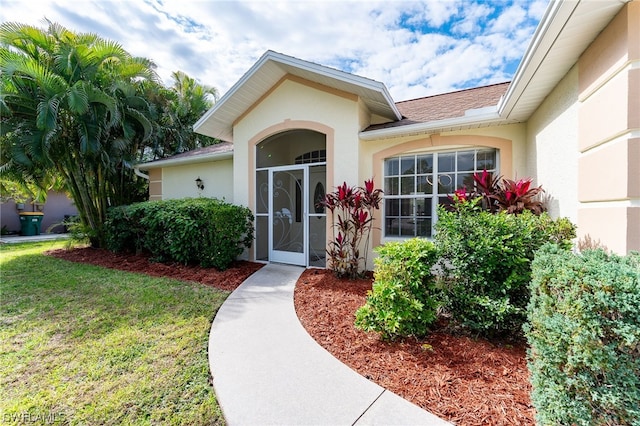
[(71, 102), (176, 110)]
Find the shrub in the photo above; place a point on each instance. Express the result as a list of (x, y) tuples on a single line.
[(352, 214), (123, 229), (402, 301), (584, 335), (205, 231), (486, 260)]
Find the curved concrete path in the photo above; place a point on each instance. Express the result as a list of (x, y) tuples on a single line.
[(268, 371)]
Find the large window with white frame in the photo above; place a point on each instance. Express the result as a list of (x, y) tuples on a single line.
[(414, 185)]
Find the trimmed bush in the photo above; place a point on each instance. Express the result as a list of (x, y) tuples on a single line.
[(402, 301), (202, 231), (584, 334), (124, 231), (486, 261)]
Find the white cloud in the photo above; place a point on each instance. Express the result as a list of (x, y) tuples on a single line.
[(416, 48), (472, 17), (510, 19)]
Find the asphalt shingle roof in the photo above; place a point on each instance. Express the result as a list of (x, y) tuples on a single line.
[(445, 105)]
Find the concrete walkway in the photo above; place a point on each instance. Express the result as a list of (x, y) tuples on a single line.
[(268, 371), (9, 239)]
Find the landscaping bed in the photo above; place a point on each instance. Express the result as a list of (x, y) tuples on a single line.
[(228, 279), (464, 380)]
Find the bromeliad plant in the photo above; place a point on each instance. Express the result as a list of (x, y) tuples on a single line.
[(500, 194), (352, 214)]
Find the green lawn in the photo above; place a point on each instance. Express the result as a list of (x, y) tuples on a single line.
[(81, 344)]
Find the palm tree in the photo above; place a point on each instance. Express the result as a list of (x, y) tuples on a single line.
[(179, 108), (71, 102)]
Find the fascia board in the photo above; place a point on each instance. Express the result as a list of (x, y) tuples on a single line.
[(308, 66), (432, 126), (231, 92), (550, 27), (170, 162)]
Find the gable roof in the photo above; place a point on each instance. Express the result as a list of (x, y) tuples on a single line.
[(565, 31), (271, 68)]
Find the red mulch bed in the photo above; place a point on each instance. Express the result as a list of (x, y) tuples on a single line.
[(463, 380), (227, 280), (460, 379)]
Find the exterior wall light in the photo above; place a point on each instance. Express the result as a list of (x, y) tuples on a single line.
[(199, 184)]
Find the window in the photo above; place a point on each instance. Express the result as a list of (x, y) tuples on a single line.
[(319, 156), (415, 184)]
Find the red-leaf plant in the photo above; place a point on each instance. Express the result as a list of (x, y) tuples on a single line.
[(352, 214), (503, 194)]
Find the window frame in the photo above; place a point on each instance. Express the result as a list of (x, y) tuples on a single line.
[(434, 197)]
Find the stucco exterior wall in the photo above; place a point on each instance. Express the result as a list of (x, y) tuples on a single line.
[(513, 166), (609, 134), (297, 103), (552, 147), (58, 206), (155, 184), (217, 178)]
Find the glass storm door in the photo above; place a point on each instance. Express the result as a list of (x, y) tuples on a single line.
[(287, 215)]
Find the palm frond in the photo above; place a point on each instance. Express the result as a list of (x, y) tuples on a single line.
[(97, 96), (47, 113), (78, 100), (89, 137), (142, 120)]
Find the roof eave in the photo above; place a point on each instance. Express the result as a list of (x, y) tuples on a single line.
[(340, 75), (223, 130), (170, 162), (551, 24), (533, 68), (474, 119)]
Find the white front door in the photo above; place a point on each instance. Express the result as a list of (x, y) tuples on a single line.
[(288, 191)]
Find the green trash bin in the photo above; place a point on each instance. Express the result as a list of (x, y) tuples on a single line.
[(30, 223)]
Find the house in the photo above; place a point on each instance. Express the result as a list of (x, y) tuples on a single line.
[(57, 209), (293, 130)]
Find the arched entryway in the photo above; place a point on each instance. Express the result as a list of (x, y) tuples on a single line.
[(290, 179)]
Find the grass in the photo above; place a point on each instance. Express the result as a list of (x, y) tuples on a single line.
[(80, 344)]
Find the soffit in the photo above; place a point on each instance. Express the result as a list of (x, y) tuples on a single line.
[(268, 71), (566, 30)]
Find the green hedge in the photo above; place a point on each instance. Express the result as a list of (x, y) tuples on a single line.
[(202, 231), (402, 301), (584, 334), (486, 260)]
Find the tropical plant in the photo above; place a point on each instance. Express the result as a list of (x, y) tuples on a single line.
[(175, 110), (71, 103), (352, 214), (80, 107), (501, 194)]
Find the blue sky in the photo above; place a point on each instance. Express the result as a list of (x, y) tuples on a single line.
[(416, 48)]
